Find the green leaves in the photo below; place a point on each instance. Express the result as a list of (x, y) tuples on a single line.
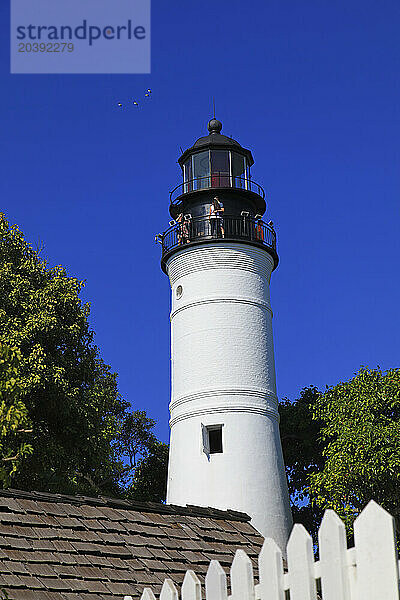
[(360, 433), (150, 482), (63, 425), (303, 453), (342, 447), (145, 476), (59, 382), (15, 425)]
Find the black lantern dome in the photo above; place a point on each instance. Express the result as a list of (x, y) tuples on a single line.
[(215, 138), (216, 171)]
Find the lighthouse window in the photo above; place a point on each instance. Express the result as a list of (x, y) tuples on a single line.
[(239, 170), (201, 170), (219, 168), (212, 439), (187, 175), (215, 439)]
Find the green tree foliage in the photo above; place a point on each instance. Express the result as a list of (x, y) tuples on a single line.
[(150, 481), (360, 433), (63, 425), (15, 425), (302, 452), (145, 476), (66, 390), (135, 438), (342, 447)]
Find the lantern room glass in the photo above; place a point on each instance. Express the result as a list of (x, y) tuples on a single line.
[(201, 170), (220, 168), (187, 176), (239, 174), (214, 169)]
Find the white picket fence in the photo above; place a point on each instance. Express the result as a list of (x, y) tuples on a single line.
[(369, 571)]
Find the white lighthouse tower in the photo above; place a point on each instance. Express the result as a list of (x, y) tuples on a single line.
[(225, 449)]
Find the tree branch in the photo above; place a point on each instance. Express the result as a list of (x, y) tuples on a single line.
[(10, 458)]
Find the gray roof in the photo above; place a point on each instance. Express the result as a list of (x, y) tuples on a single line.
[(55, 547)]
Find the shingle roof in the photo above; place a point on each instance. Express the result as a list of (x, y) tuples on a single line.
[(55, 547)]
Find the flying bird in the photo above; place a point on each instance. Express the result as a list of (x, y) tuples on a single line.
[(135, 102)]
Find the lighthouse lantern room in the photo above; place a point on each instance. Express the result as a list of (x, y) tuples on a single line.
[(225, 448)]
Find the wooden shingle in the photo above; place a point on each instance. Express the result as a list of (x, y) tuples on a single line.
[(55, 547)]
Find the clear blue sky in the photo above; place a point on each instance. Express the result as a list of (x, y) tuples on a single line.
[(312, 88)]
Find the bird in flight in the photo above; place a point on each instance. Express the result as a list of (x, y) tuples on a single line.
[(135, 102)]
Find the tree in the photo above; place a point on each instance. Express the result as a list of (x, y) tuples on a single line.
[(135, 439), (302, 453), (145, 476), (342, 447), (360, 433), (150, 481), (63, 425), (64, 388), (14, 420)]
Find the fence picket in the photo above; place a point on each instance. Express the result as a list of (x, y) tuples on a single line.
[(352, 572), (216, 588), (191, 587), (333, 558), (242, 579), (168, 591), (377, 566), (300, 560), (146, 595), (270, 567)]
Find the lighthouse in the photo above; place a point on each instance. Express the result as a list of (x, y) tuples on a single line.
[(225, 448)]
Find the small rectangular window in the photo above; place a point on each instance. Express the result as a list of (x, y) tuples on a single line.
[(212, 439), (215, 437)]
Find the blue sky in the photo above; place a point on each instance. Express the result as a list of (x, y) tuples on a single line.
[(312, 88)]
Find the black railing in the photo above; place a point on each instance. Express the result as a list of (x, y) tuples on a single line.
[(198, 229), (215, 180)]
